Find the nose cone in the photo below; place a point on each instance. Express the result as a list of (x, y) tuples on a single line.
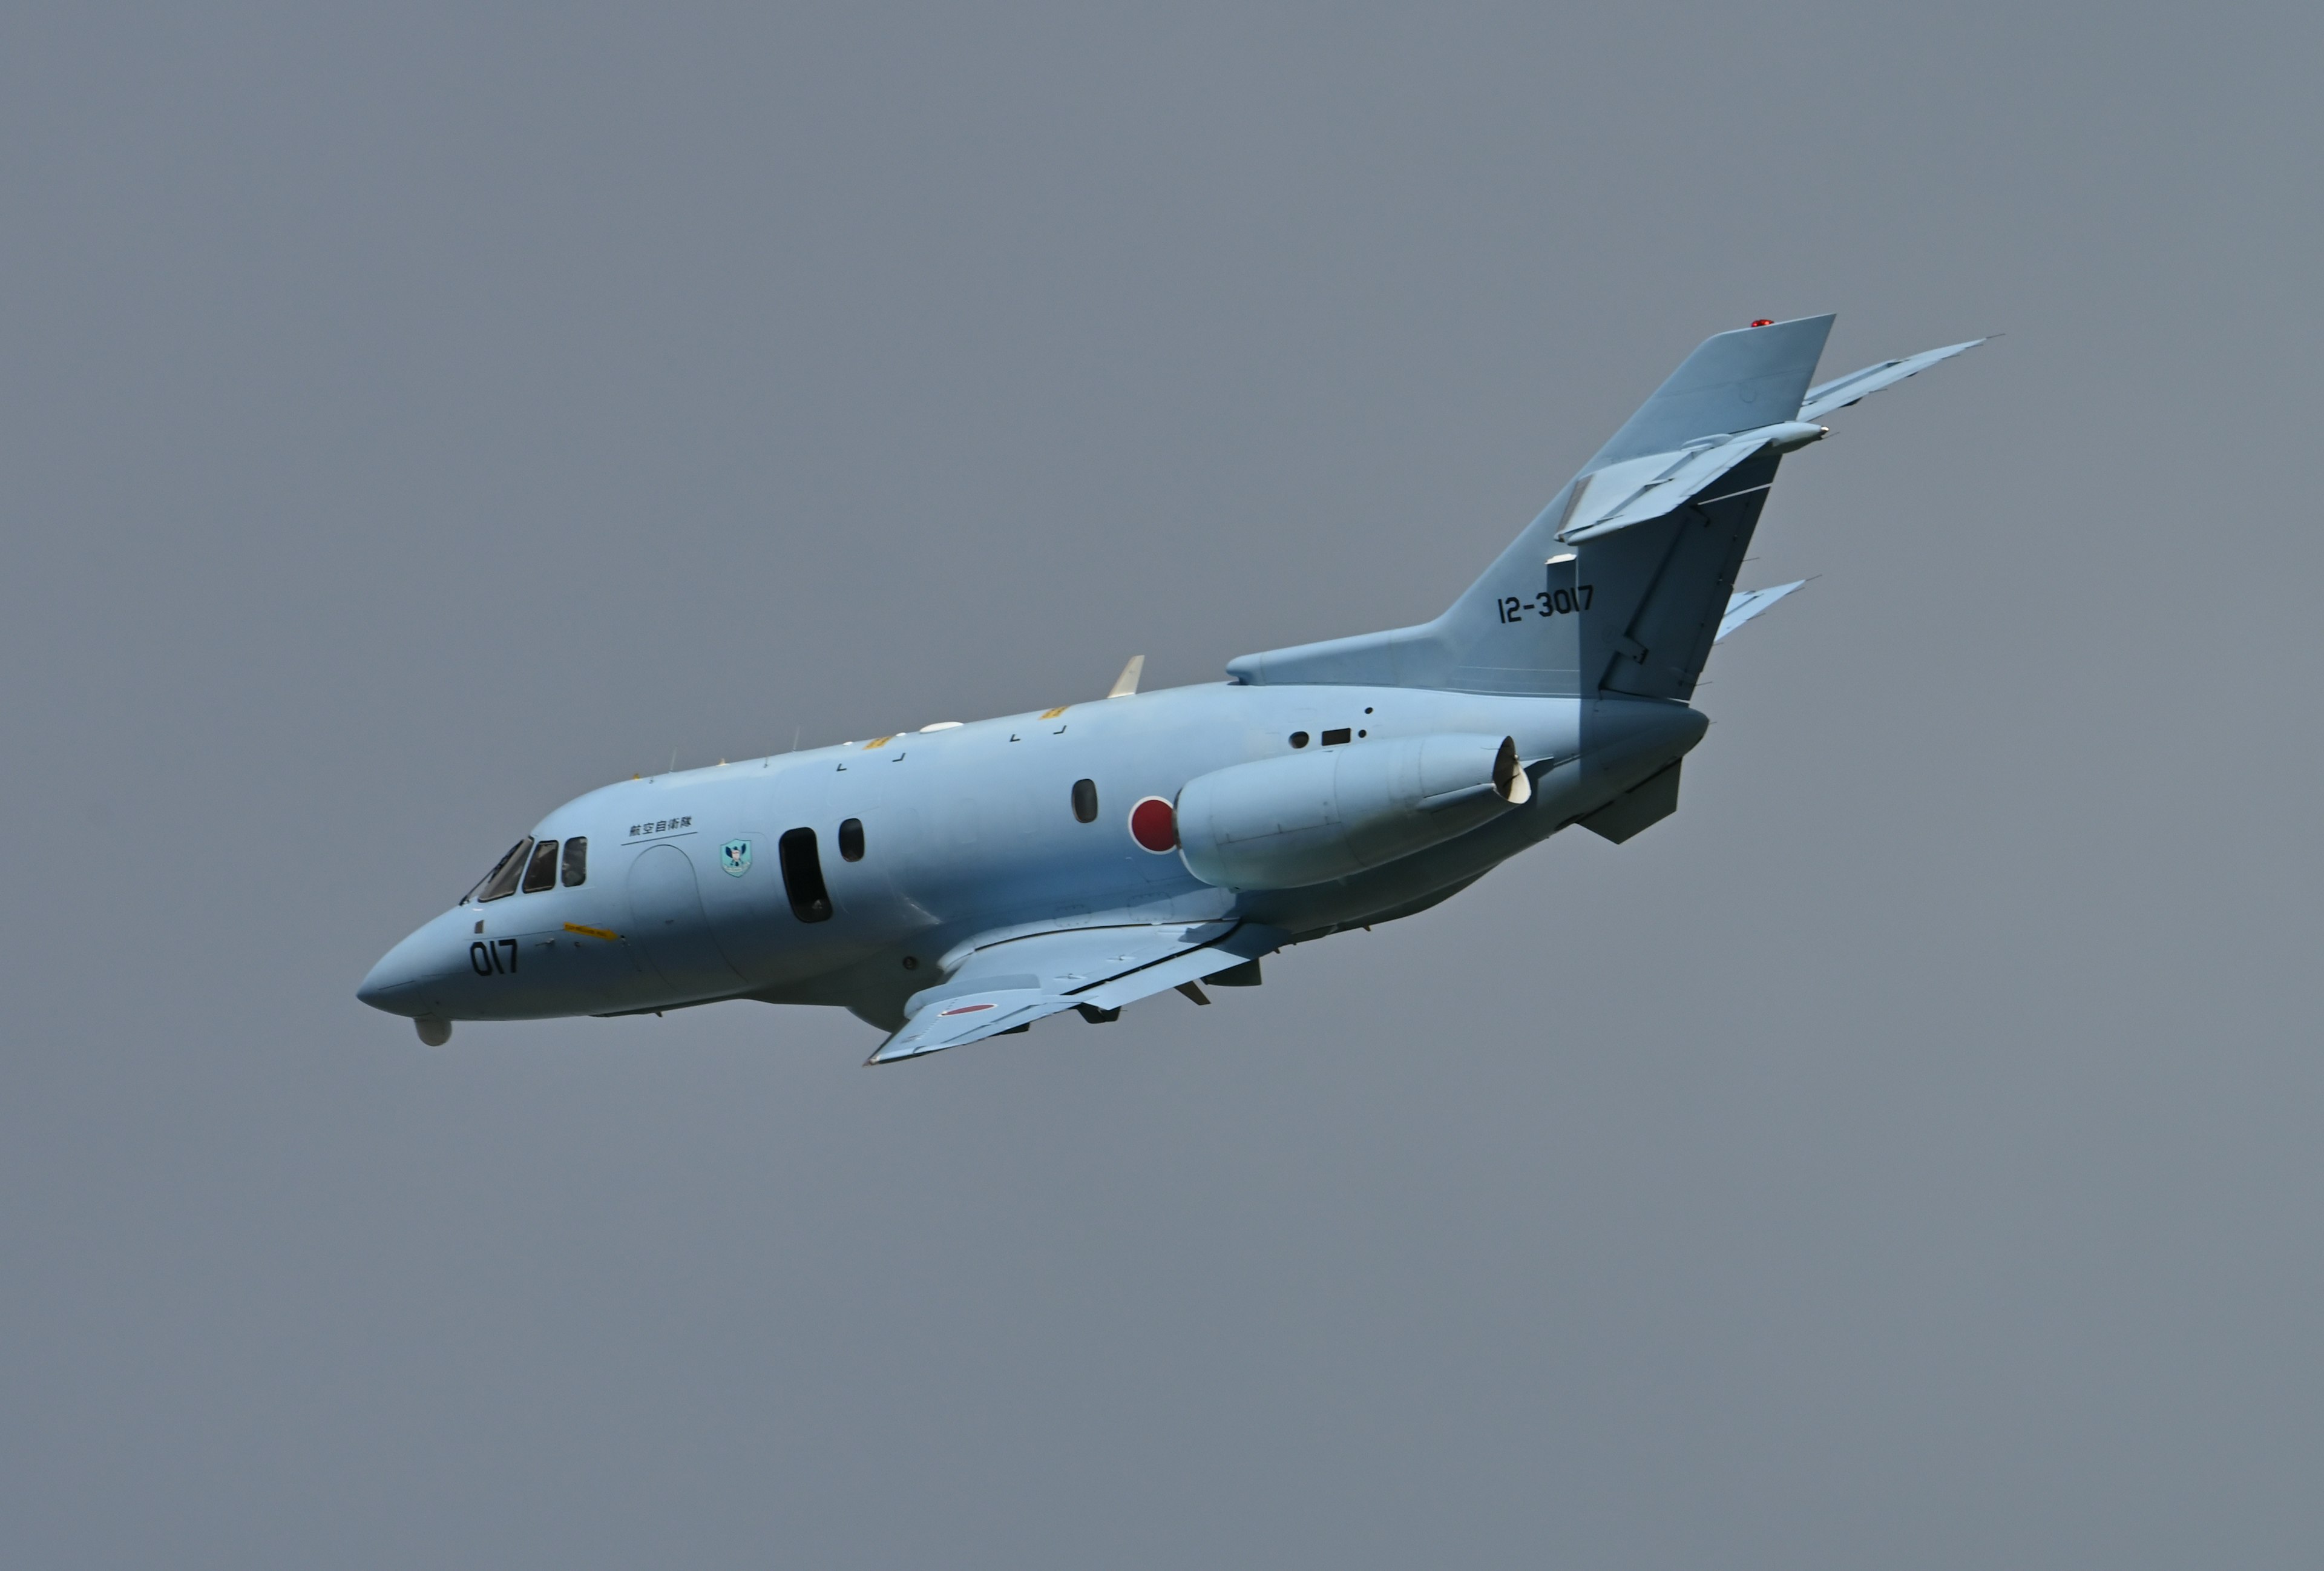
[(396, 983)]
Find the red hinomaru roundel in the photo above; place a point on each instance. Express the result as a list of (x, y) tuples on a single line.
[(1154, 825)]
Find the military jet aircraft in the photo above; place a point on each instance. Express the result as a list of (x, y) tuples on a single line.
[(964, 880)]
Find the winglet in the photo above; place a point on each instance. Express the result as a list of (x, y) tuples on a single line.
[(1126, 683)]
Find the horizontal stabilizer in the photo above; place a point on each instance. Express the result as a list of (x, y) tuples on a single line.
[(1639, 489), (1840, 391), (1744, 604)]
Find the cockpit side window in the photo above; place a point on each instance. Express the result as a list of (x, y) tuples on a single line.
[(577, 861), (501, 882), (540, 872)]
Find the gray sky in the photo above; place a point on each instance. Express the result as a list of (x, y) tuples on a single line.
[(1905, 1156)]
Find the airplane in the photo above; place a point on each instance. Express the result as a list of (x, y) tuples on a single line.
[(962, 881)]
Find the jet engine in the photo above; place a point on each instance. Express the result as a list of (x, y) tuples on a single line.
[(1308, 818)]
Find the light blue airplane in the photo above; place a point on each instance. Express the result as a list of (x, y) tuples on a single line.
[(964, 881)]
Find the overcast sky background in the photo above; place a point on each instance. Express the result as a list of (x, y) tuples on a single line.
[(1907, 1155)]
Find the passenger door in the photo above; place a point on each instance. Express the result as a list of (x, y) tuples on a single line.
[(668, 923)]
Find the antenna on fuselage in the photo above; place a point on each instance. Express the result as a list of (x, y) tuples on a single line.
[(1126, 683)]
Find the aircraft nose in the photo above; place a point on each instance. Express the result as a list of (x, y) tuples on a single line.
[(394, 984)]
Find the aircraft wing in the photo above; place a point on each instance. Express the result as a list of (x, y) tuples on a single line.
[(1745, 603), (1019, 979), (1840, 391), (968, 1017)]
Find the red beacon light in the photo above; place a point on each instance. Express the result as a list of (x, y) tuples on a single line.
[(1765, 322)]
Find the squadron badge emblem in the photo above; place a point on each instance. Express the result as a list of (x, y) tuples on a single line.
[(734, 856)]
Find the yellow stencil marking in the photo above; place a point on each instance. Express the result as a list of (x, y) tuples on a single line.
[(879, 741), (1053, 713), (609, 937)]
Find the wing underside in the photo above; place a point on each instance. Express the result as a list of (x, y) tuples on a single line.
[(1012, 982)]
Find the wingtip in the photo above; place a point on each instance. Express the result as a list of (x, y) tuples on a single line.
[(891, 1052)]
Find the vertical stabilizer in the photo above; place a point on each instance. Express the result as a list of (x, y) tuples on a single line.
[(1633, 604), (1733, 382)]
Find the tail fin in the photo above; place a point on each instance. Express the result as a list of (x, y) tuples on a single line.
[(1733, 382), (1620, 584)]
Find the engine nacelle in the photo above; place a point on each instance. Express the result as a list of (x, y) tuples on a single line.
[(1308, 818)]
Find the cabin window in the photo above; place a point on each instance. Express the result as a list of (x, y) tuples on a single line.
[(851, 840), (501, 882), (540, 872), (1085, 800), (1299, 739), (1337, 738), (803, 876), (577, 861)]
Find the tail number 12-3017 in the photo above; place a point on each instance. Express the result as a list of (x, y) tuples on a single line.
[(1548, 603)]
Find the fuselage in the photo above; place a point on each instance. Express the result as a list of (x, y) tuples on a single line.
[(987, 867), (849, 874)]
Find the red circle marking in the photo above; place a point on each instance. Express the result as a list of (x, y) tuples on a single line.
[(1154, 825), (966, 1009)]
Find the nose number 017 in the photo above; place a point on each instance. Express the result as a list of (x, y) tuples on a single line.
[(484, 959)]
